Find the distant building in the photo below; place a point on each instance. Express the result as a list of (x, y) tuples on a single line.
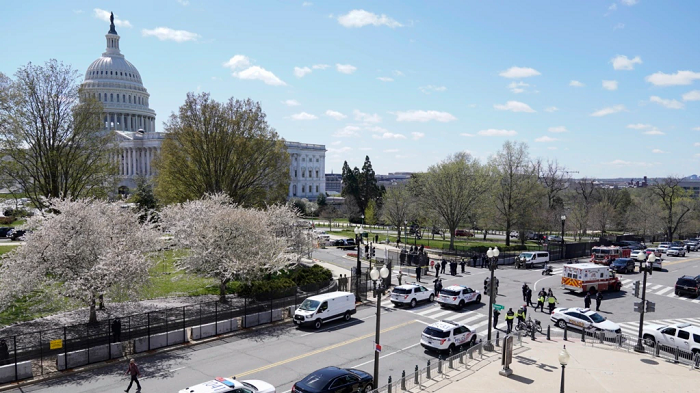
[(393, 179), (692, 185), (334, 183)]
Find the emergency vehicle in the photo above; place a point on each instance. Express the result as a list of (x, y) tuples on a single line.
[(226, 385), (447, 336), (605, 255), (581, 277), (457, 296), (411, 294)]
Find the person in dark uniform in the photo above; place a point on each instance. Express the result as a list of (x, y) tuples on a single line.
[(598, 300), (525, 288), (496, 314), (528, 295), (437, 269), (4, 351), (117, 330), (453, 268), (474, 258), (438, 287), (461, 264), (443, 264), (587, 300), (418, 271), (509, 320)]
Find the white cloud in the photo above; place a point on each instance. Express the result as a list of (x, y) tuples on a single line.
[(557, 129), (546, 139), (515, 106), (658, 151), (304, 116), (680, 78), (366, 117), (77, 11), (320, 66), (376, 129), (621, 62), (251, 72), (385, 79), (336, 143), (519, 72), (608, 111), (630, 163), (692, 96), (495, 132), (417, 135), (104, 16), (347, 131), (184, 2), (612, 7), (670, 104), (398, 73), (291, 102), (339, 150), (335, 115), (654, 131), (696, 129), (299, 72), (345, 68), (696, 144), (391, 151), (575, 83), (551, 109), (618, 26), (424, 116), (307, 4), (430, 88), (518, 87), (628, 2), (467, 134), (168, 34), (360, 18), (610, 85), (639, 126), (388, 135)]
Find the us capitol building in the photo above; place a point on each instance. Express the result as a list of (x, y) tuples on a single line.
[(117, 84)]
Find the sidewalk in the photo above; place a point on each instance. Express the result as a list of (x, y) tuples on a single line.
[(590, 369)]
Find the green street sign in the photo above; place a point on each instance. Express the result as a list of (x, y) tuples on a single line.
[(498, 307)]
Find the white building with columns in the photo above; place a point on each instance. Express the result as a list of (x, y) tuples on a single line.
[(117, 84)]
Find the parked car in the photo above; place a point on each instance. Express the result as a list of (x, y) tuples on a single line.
[(623, 265), (514, 234), (345, 244), (555, 239), (683, 336), (676, 252), (335, 380), (463, 233), (230, 385), (635, 254), (16, 234), (690, 245), (436, 231), (688, 285), (539, 237), (447, 336), (4, 230), (457, 296), (663, 247), (584, 318), (411, 294)]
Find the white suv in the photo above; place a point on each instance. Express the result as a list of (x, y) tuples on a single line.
[(683, 336), (447, 336), (457, 296), (411, 294)]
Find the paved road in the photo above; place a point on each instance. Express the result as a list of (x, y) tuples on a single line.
[(282, 355)]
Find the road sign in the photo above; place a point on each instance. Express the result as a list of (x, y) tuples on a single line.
[(651, 306), (56, 344), (377, 347), (638, 307), (498, 307)]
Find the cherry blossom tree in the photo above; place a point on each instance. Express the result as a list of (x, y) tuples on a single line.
[(79, 250), (228, 242)]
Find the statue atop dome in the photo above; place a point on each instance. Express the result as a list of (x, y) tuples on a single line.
[(112, 30)]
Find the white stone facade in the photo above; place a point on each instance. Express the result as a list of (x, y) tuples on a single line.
[(307, 170)]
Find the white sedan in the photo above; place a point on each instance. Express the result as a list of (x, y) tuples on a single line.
[(584, 319), (676, 252), (226, 385)]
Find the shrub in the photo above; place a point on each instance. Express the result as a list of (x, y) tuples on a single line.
[(275, 286), (6, 220)]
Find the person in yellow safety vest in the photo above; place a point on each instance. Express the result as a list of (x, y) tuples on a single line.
[(509, 320), (540, 303), (520, 315), (552, 300)]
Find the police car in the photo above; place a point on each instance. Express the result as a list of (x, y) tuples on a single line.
[(447, 336), (584, 318), (457, 296), (411, 294), (230, 385)]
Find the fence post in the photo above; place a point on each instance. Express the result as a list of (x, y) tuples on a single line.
[(415, 376), (245, 311), (87, 330), (109, 340), (184, 326), (566, 330), (583, 335), (427, 373), (216, 318), (148, 329), (388, 388), (601, 337), (14, 345), (129, 327), (676, 355), (271, 309), (497, 337), (403, 380), (65, 349), (656, 350), (461, 357), (439, 366), (697, 360), (167, 341), (532, 333), (549, 337), (41, 354)]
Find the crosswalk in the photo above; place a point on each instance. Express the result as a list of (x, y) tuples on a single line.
[(474, 320), (632, 328)]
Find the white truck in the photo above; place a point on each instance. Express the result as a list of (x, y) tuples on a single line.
[(582, 277)]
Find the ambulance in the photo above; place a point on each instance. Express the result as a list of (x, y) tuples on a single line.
[(606, 255), (582, 277)]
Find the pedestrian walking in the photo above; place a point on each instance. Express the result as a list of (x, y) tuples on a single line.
[(549, 292), (461, 264), (453, 268), (496, 314), (443, 263), (509, 320), (135, 373), (4, 351), (552, 300), (437, 269), (587, 300), (598, 300), (528, 295), (483, 260), (438, 286), (540, 302), (525, 288), (418, 271), (520, 315), (117, 330)]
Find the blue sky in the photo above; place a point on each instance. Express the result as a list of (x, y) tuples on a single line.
[(608, 88)]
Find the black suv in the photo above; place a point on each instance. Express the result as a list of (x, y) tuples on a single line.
[(688, 285)]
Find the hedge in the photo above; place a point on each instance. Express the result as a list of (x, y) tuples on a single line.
[(6, 220), (285, 280)]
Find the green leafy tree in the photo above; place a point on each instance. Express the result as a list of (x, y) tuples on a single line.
[(675, 201), (361, 185), (371, 213)]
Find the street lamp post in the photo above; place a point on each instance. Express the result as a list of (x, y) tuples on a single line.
[(379, 278), (563, 221), (563, 361), (492, 255), (358, 268), (646, 267)]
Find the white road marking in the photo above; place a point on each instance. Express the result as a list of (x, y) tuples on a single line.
[(388, 354), (475, 317), (436, 315), (661, 292), (655, 287)]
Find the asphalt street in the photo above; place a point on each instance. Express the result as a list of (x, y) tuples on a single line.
[(284, 354)]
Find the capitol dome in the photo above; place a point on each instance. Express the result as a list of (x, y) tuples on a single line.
[(116, 83)]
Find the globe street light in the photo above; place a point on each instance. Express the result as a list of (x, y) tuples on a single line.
[(646, 267), (358, 268), (379, 278), (492, 255), (563, 361)]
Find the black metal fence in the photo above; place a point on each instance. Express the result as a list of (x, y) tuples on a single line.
[(43, 352)]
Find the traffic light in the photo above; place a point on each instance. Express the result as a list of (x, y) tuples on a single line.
[(636, 289), (638, 307), (487, 288), (651, 306), (373, 249)]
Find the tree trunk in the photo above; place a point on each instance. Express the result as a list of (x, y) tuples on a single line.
[(452, 238), (507, 234), (93, 312), (222, 291), (102, 302), (485, 233)]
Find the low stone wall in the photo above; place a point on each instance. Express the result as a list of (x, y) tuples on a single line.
[(96, 354), (209, 329), (24, 371)]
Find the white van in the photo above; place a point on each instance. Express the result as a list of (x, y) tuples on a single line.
[(532, 258), (319, 309)]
